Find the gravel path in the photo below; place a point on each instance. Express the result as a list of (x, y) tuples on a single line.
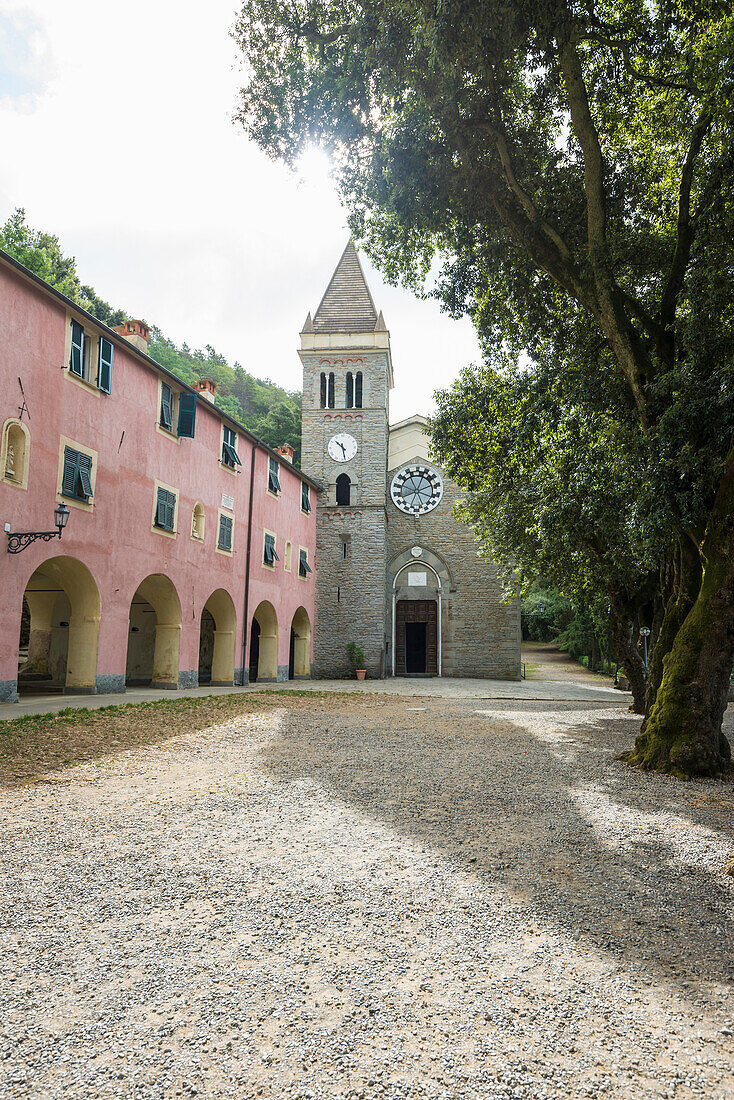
[(369, 897)]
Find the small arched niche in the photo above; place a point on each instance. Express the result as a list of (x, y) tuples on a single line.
[(15, 453), (197, 522)]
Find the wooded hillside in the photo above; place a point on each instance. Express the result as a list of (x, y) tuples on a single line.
[(267, 410)]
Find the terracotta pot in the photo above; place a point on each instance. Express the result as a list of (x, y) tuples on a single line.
[(361, 673)]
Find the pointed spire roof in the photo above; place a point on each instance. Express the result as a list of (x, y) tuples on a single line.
[(307, 324), (347, 305)]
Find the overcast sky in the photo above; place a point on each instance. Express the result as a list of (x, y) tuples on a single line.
[(117, 135)]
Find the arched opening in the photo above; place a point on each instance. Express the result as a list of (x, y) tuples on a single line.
[(154, 636), (263, 659), (216, 640), (331, 389), (14, 453), (323, 389), (350, 390), (59, 629), (343, 489), (358, 390), (299, 664)]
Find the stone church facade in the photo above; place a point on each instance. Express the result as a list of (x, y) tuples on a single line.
[(396, 573)]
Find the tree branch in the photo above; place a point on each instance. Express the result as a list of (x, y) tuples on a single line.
[(686, 226)]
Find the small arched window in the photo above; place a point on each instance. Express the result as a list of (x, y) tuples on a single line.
[(288, 556), (15, 453), (197, 522), (331, 389), (358, 390), (343, 489), (323, 390), (350, 390)]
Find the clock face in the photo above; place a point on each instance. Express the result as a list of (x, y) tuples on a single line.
[(342, 447), (416, 490)]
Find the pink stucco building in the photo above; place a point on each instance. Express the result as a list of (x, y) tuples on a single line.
[(189, 551)]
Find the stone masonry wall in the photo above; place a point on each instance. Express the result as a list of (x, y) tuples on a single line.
[(350, 593), (480, 631)]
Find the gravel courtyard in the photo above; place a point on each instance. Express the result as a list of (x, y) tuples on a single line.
[(367, 896)]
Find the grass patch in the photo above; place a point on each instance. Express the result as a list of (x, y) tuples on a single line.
[(48, 742), (40, 743)]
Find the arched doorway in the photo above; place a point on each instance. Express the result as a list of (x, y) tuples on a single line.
[(154, 636), (59, 629), (263, 658), (299, 662), (216, 640), (417, 599)]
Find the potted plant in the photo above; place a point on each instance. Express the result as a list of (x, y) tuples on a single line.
[(356, 656)]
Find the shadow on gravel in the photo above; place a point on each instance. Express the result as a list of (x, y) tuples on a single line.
[(524, 813)]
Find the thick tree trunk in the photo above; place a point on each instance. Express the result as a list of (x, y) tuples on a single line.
[(624, 638), (682, 734), (686, 586)]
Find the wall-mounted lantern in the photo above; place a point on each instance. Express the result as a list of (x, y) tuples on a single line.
[(19, 541)]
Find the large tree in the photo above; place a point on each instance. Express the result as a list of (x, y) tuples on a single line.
[(565, 161), (559, 487)]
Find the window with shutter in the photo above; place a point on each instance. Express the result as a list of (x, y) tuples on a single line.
[(273, 479), (303, 567), (76, 360), (166, 417), (305, 498), (229, 448), (187, 415), (76, 480), (165, 513), (225, 533), (270, 554), (104, 369)]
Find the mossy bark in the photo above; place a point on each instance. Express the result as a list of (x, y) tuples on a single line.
[(682, 733), (686, 586)]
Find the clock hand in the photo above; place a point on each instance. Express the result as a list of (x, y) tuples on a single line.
[(343, 449)]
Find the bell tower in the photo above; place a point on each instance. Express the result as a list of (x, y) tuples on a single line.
[(347, 377)]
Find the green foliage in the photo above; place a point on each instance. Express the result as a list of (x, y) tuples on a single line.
[(578, 636), (356, 655), (41, 252), (545, 612), (270, 412)]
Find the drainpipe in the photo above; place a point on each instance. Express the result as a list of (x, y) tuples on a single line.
[(246, 612)]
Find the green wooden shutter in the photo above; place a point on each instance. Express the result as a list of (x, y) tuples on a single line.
[(166, 406), (170, 511), (273, 480), (165, 512), (303, 567), (104, 371), (76, 361), (225, 533), (84, 468), (187, 415), (71, 467), (305, 497)]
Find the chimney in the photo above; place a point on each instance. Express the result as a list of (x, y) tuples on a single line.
[(286, 452), (137, 332), (206, 388)]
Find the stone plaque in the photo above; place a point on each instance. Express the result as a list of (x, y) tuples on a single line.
[(417, 580)]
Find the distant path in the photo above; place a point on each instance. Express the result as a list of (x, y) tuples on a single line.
[(547, 662)]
